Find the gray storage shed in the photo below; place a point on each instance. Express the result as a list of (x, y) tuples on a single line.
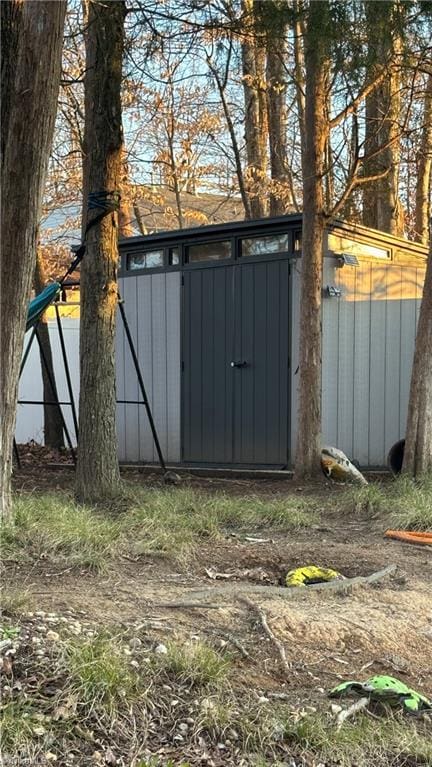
[(214, 314)]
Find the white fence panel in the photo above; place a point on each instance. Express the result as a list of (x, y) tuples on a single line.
[(30, 420)]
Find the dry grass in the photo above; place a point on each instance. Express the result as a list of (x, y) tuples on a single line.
[(168, 522), (389, 741), (407, 504), (88, 695), (194, 664)]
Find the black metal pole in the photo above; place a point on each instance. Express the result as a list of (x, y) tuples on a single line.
[(67, 372), (17, 455), (56, 403), (141, 384), (23, 362), (54, 393), (28, 347)]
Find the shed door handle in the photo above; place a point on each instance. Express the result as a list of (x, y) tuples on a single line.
[(239, 364)]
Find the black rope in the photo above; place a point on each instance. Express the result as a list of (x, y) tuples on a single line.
[(105, 202)]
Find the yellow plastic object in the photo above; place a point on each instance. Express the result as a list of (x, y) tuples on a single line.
[(304, 576)]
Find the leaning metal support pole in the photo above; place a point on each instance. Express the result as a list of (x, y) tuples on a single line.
[(67, 371), (17, 455), (141, 384), (54, 393), (28, 347)]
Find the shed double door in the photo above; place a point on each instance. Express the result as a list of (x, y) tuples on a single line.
[(235, 364)]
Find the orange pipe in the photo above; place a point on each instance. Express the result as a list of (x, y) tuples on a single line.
[(410, 536)]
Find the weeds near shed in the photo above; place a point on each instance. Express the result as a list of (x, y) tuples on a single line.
[(170, 522), (407, 503), (412, 504), (52, 527), (173, 521)]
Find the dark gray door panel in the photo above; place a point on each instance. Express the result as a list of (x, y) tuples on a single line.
[(261, 386), (235, 354), (207, 376)]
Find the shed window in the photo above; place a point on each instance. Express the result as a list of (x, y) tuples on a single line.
[(260, 246), (208, 251), (173, 256), (151, 259), (297, 241)]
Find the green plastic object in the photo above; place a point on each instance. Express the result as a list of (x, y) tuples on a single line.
[(41, 302), (387, 689)]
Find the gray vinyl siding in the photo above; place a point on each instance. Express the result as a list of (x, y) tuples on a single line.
[(368, 346), (330, 356), (152, 305)]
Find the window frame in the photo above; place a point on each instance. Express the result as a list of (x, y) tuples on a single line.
[(194, 244), (268, 254)]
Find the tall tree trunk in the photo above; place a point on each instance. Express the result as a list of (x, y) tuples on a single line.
[(418, 442), (280, 198), (328, 165), (381, 205), (221, 85), (126, 213), (53, 426), (308, 449), (424, 170), (299, 69), (32, 37), (253, 67), (97, 475)]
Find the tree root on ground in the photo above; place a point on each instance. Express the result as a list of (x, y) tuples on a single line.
[(234, 589)]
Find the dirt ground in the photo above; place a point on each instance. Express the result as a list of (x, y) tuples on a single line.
[(328, 637)]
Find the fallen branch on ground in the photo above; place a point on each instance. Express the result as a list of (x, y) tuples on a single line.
[(286, 593), (264, 623), (347, 712), (187, 605), (232, 639)]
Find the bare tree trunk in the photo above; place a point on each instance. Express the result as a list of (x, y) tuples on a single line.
[(381, 205), (299, 70), (328, 165), (97, 475), (253, 65), (308, 449), (418, 442), (53, 425), (221, 85), (424, 171), (126, 209), (175, 181), (32, 37), (139, 219), (280, 198)]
